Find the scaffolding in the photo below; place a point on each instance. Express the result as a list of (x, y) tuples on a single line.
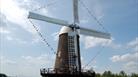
[(49, 72)]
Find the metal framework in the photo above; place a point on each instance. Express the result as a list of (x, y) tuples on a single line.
[(52, 73)]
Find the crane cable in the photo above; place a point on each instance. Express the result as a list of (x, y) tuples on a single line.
[(40, 34)]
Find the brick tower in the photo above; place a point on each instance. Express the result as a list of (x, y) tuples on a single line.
[(68, 57)]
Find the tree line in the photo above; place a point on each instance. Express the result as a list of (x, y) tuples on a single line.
[(120, 74), (105, 74)]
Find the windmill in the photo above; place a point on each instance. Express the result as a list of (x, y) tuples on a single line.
[(68, 53)]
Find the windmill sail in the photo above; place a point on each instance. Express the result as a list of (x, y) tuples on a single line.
[(48, 19), (75, 11), (91, 32)]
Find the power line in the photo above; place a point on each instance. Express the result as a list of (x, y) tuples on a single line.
[(40, 34), (91, 14)]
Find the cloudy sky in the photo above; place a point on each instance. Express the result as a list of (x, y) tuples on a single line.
[(23, 53)]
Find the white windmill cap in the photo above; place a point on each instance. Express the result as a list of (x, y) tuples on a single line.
[(65, 29)]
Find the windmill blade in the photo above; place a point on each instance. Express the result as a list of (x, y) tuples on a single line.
[(75, 11), (47, 19), (91, 32)]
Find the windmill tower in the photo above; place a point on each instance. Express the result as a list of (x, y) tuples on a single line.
[(68, 54)]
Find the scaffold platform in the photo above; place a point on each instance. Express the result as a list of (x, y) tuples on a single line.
[(53, 73)]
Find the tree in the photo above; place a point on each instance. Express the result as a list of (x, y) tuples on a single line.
[(2, 75), (98, 75), (122, 74), (134, 75), (107, 74)]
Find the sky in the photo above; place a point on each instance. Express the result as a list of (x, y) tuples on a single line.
[(23, 53)]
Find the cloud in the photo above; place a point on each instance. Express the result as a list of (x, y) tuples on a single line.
[(16, 12), (19, 41), (125, 58), (3, 20), (55, 35), (39, 60), (91, 42), (9, 38), (131, 67), (4, 31), (29, 4), (96, 9), (18, 15), (36, 40), (3, 24), (133, 44), (28, 66), (4, 60), (130, 61)]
